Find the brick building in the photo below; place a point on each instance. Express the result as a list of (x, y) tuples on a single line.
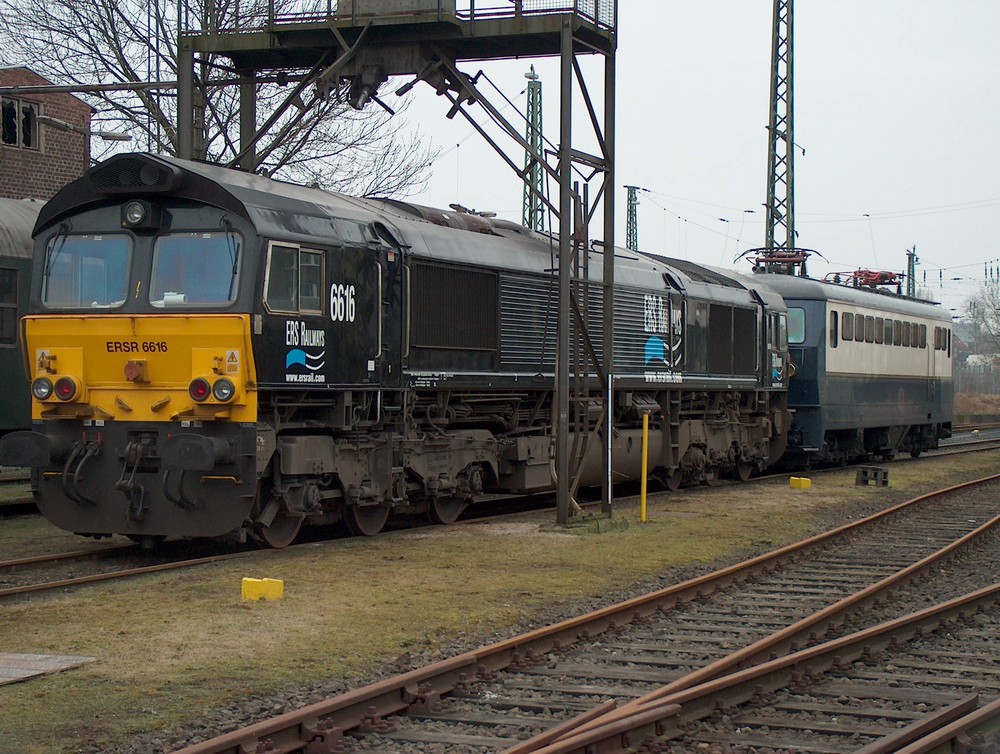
[(37, 158)]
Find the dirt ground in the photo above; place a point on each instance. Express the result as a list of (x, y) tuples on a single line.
[(181, 649)]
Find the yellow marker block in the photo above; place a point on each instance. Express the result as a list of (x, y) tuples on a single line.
[(799, 483), (262, 589)]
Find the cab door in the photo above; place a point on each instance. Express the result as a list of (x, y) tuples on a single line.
[(320, 320)]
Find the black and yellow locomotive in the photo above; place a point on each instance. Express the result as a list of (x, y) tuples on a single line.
[(212, 353)]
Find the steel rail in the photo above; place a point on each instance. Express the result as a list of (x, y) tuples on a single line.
[(56, 557), (324, 724), (125, 573), (959, 735)]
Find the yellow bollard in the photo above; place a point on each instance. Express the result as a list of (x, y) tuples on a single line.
[(645, 466), (799, 483), (262, 589)]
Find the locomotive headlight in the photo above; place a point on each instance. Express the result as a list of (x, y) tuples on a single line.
[(66, 388), (199, 389), (134, 213), (223, 390), (41, 388)]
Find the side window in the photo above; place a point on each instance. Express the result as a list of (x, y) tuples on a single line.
[(19, 121), (905, 327), (949, 343), (859, 328), (282, 285), (834, 321), (847, 326), (923, 336), (869, 329), (311, 282), (796, 325), (897, 333), (294, 280), (879, 329), (8, 307), (888, 332)]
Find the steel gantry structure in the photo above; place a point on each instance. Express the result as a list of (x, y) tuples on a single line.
[(352, 49)]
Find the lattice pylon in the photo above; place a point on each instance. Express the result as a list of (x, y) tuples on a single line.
[(533, 215)]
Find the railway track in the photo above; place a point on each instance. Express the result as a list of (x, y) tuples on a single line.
[(525, 692), (27, 576), (889, 688)]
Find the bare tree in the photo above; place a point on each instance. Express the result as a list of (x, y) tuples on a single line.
[(83, 42), (982, 315)]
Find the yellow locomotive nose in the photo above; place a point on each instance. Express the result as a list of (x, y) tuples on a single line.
[(142, 368)]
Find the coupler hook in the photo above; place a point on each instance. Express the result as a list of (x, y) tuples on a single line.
[(83, 451), (134, 493)]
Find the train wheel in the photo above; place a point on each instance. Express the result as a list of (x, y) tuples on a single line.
[(283, 530), (743, 471), (915, 452), (366, 520), (445, 510)]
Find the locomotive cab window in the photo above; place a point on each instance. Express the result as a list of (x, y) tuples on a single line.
[(195, 269), (86, 271), (8, 307), (834, 321), (796, 325), (294, 281)]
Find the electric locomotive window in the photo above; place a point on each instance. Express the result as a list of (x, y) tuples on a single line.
[(8, 306), (195, 269), (914, 335), (897, 333), (879, 329), (905, 327), (834, 321), (859, 328), (888, 332), (86, 271), (847, 326), (869, 329), (796, 325), (923, 336)]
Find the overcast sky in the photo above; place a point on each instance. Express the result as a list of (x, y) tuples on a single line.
[(896, 106)]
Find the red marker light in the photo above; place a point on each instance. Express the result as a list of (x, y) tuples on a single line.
[(65, 389), (199, 389)]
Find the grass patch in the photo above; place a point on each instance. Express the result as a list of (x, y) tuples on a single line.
[(172, 645)]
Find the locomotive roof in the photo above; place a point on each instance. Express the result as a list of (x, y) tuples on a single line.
[(794, 287), (306, 215), (17, 216)]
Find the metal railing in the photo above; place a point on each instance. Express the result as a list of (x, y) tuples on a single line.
[(254, 15)]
